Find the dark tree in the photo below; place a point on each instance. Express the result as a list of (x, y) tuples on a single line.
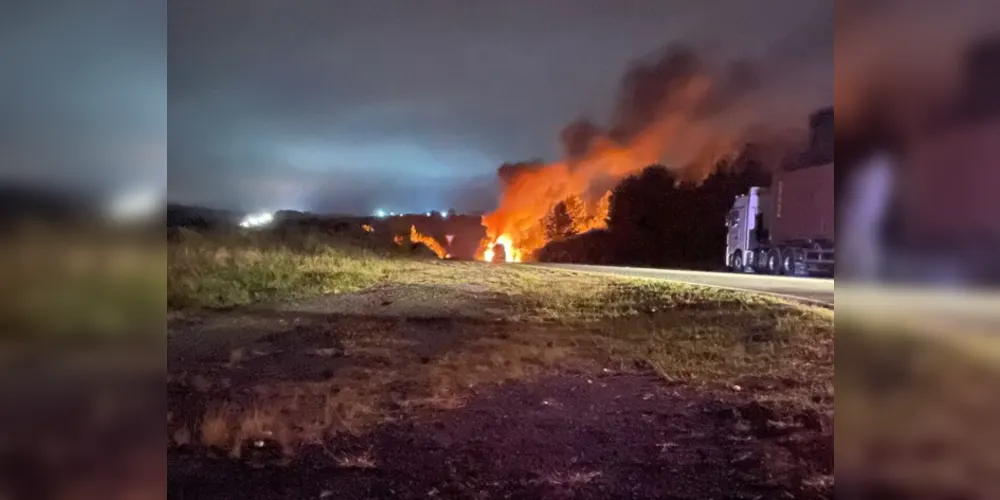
[(655, 220), (643, 211), (559, 224)]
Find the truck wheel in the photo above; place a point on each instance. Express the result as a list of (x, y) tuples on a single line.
[(738, 263), (773, 262), (751, 263), (787, 263)]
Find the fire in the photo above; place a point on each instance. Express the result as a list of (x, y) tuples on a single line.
[(511, 254), (588, 218), (367, 228), (429, 242), (662, 117)]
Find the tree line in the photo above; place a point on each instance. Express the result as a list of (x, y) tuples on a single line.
[(655, 219)]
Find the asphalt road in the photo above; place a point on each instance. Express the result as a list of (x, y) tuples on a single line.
[(807, 289), (932, 310)]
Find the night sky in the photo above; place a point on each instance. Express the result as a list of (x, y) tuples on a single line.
[(346, 105), (83, 95), (349, 106)]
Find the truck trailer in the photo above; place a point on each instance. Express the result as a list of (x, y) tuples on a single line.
[(948, 222), (787, 228)]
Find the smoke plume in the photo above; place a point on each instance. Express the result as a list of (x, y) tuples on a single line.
[(687, 111), (677, 108)]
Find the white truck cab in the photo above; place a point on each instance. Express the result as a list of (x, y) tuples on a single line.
[(743, 222)]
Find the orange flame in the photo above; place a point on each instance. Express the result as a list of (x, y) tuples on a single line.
[(511, 254), (532, 196), (367, 228), (660, 119), (398, 239), (429, 242), (588, 218)]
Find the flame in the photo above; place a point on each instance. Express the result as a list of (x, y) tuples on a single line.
[(429, 242), (398, 239), (588, 218), (367, 228), (511, 253), (662, 117), (530, 198)]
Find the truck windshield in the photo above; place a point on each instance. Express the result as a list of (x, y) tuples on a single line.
[(732, 218)]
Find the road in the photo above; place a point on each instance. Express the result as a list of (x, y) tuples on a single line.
[(934, 310), (807, 289)]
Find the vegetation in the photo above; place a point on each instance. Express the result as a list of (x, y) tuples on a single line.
[(653, 219), (242, 268), (436, 330), (82, 283), (427, 335)]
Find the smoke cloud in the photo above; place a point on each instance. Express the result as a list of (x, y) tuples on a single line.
[(681, 108), (687, 109)]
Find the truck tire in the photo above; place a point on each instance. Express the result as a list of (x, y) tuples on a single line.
[(787, 262), (773, 265), (737, 262)]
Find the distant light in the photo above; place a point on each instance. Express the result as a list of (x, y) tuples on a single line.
[(428, 214), (392, 214), (257, 220), (444, 215), (380, 213), (135, 205)]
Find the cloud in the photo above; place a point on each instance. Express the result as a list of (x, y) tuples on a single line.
[(462, 88), (83, 99)]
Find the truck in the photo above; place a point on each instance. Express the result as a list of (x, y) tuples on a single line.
[(948, 229), (787, 228)]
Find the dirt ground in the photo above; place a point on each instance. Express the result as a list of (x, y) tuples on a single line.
[(562, 436), (444, 392)]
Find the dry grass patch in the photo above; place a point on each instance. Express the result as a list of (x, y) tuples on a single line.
[(215, 429), (363, 460), (382, 375)]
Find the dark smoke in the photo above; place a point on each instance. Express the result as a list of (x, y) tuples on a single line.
[(683, 108), (509, 173), (648, 90), (701, 101), (577, 138)]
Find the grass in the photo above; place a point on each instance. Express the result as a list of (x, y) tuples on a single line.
[(82, 284), (242, 268), (497, 323), (682, 332), (914, 407)]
